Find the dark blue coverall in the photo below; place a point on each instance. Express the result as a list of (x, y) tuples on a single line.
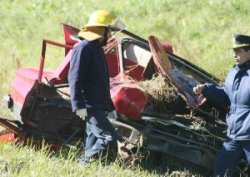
[(236, 93), (89, 88)]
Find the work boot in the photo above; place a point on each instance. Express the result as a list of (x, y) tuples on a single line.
[(84, 161)]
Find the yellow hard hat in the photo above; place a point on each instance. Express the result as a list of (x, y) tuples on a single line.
[(97, 22), (100, 18)]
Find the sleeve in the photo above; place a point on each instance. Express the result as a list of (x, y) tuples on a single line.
[(77, 74), (215, 94)]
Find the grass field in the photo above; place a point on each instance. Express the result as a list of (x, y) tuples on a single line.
[(200, 32), (19, 161)]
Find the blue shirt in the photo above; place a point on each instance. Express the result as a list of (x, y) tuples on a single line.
[(89, 77), (236, 93)]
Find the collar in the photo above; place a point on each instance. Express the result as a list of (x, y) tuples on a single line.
[(243, 66)]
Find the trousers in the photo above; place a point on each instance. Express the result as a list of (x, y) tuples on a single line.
[(101, 136), (230, 156)]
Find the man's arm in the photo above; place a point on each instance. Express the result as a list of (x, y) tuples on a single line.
[(213, 93), (77, 74)]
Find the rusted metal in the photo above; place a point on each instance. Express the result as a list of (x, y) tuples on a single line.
[(43, 52), (14, 131)]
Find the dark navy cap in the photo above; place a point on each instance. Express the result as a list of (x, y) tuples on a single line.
[(240, 40)]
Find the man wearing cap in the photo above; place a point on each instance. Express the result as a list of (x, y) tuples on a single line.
[(89, 86), (236, 95)]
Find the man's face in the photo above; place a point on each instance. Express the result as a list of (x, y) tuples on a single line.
[(241, 56)]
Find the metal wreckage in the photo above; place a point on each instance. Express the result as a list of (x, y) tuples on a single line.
[(151, 89)]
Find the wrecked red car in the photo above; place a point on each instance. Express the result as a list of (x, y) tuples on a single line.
[(191, 129)]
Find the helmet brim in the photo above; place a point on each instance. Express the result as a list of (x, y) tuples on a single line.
[(236, 46), (91, 33)]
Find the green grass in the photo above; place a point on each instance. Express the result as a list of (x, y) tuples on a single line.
[(200, 32), (25, 161)]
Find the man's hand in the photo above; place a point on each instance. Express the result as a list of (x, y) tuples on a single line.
[(198, 89), (82, 113)]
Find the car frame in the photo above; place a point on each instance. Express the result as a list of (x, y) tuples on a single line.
[(40, 102)]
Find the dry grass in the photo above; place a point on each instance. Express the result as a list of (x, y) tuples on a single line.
[(161, 94)]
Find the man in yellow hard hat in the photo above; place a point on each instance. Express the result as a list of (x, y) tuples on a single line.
[(89, 85)]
